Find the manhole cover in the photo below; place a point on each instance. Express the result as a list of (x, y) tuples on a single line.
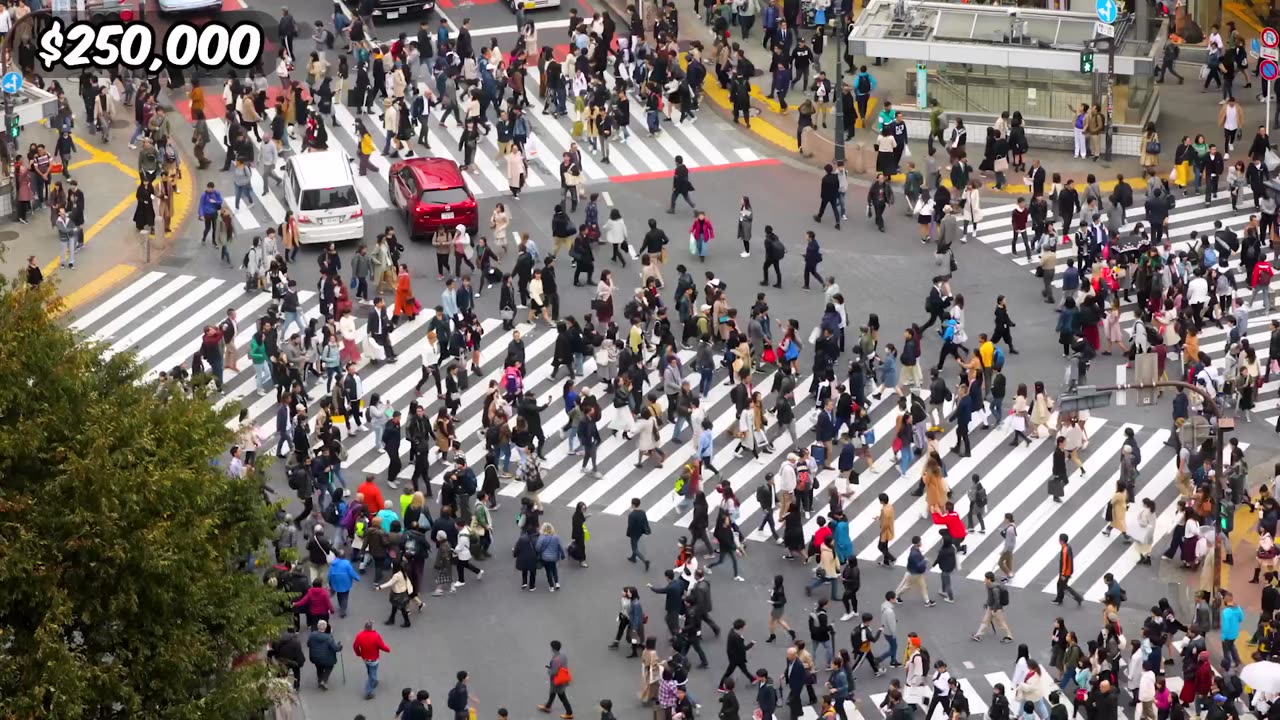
[(754, 111), (8, 235)]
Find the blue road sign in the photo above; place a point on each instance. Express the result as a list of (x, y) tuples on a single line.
[(1255, 47), (11, 83), (1107, 10)]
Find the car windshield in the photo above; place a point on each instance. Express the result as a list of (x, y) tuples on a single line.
[(329, 198), (444, 196)]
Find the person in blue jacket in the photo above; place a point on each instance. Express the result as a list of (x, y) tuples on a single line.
[(210, 204), (341, 577), (1232, 618)]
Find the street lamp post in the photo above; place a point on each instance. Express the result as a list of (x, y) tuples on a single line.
[(837, 91)]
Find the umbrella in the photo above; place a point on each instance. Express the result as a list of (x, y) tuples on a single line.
[(1262, 676)]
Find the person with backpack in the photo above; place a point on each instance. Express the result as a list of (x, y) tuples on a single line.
[(977, 505), (993, 610)]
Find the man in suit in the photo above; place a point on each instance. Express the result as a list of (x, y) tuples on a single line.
[(936, 303), (463, 44), (826, 430), (1066, 568), (380, 327), (795, 677), (1037, 176), (736, 648), (1157, 211), (783, 37)]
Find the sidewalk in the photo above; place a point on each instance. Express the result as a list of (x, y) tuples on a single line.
[(770, 124), (113, 248)]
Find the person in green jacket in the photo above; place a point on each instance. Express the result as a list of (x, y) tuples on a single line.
[(912, 186), (258, 356), (886, 116)]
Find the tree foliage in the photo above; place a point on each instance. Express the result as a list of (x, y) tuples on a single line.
[(119, 593)]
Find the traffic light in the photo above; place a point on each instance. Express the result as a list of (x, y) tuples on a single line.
[(1226, 515), (14, 127), (1086, 62)]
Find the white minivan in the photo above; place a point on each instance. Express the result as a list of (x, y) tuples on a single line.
[(320, 189)]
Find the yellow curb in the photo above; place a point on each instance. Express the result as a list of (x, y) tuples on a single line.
[(773, 105), (96, 287), (1245, 14)]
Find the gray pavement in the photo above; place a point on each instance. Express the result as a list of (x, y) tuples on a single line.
[(500, 634)]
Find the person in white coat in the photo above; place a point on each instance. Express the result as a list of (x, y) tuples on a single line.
[(647, 442), (462, 556), (972, 210), (431, 358), (786, 486), (1143, 530), (615, 233)]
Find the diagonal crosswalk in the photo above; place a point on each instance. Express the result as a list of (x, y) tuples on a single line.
[(1191, 214), (159, 317), (639, 157)]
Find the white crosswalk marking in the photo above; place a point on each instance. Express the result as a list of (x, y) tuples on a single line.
[(1190, 214), (641, 155), (159, 316)]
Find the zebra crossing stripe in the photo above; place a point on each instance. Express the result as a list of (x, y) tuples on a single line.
[(992, 480), (171, 311), (141, 306), (1012, 503), (243, 215), (188, 348), (110, 305), (1097, 459), (1158, 483), (956, 475)]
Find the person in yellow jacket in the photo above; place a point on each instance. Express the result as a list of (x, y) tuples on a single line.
[(366, 149)]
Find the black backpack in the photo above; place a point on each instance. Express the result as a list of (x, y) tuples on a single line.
[(457, 700), (1003, 596)]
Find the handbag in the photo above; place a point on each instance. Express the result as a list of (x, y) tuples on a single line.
[(820, 16), (1153, 147), (507, 314), (1001, 164), (562, 677)]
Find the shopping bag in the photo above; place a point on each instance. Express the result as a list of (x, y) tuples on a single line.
[(693, 244)]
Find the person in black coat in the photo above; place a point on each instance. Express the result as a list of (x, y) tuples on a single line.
[(728, 701), (680, 186), (637, 528), (526, 556), (324, 652), (829, 195), (736, 647), (287, 650), (673, 602)]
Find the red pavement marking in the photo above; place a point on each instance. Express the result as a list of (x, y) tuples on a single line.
[(640, 177), (213, 107)]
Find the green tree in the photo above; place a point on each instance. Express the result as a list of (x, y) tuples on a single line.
[(120, 595)]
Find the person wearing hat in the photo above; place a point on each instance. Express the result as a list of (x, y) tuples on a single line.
[(319, 550)]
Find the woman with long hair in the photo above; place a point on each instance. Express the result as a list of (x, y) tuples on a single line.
[(777, 609)]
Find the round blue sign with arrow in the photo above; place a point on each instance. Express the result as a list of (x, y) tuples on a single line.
[(11, 83), (1107, 10)]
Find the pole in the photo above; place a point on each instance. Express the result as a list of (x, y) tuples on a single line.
[(1111, 82), (1271, 88), (838, 91)]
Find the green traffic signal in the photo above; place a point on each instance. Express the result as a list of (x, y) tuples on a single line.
[(14, 127), (1086, 62)]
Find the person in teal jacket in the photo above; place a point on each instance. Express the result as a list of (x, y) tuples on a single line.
[(844, 544), (341, 578), (1232, 618)]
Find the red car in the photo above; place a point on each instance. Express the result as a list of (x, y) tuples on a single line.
[(434, 195)]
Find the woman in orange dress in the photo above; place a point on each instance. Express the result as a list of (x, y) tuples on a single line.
[(404, 292)]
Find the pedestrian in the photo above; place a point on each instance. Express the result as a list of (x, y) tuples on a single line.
[(993, 610), (915, 574), (680, 186), (861, 640), (369, 646), (560, 677), (1066, 568), (637, 528), (323, 650), (777, 607)]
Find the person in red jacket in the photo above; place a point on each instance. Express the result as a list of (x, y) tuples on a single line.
[(1260, 280), (315, 603), (954, 525), (372, 495), (369, 647)]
